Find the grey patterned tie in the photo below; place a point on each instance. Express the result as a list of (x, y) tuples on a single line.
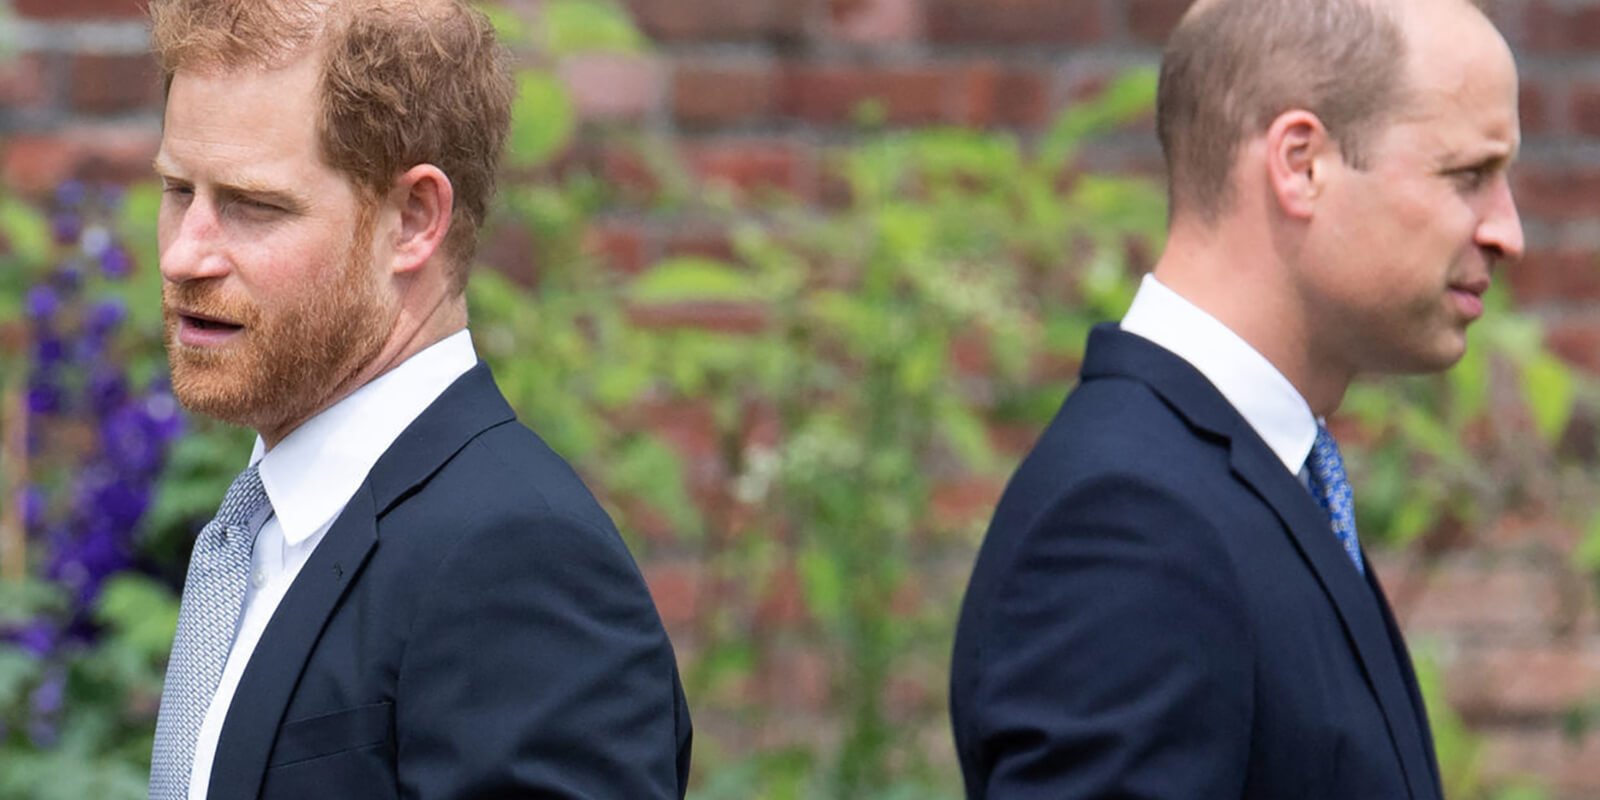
[(212, 595)]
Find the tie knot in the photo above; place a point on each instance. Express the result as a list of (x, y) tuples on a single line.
[(245, 498)]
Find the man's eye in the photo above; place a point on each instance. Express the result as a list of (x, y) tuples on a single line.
[(1474, 177)]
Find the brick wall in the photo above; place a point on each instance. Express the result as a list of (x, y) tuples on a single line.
[(751, 89)]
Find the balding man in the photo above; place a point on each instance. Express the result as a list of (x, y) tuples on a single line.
[(1172, 602), (405, 593)]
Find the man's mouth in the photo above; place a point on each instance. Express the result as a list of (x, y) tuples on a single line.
[(201, 330)]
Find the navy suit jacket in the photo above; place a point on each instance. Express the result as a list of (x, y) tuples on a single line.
[(1161, 611), (472, 626)]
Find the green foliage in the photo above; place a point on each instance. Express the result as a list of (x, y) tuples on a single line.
[(97, 744), (587, 26)]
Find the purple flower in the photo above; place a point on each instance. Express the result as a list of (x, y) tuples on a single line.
[(67, 278), (34, 504), (37, 638), (131, 441), (66, 226), (44, 728), (162, 410), (105, 316), (71, 194), (48, 696), (112, 499), (42, 303), (114, 262), (49, 351), (44, 397), (107, 390)]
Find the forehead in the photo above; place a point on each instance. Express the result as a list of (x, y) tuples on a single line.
[(243, 125), (1461, 86)]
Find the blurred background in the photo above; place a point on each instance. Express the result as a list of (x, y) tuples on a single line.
[(794, 283)]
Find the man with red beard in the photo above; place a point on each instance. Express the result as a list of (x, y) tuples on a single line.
[(405, 593)]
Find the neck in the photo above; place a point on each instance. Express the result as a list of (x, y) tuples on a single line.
[(1244, 283), (412, 333)]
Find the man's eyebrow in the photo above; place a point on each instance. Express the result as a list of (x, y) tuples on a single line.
[(242, 186)]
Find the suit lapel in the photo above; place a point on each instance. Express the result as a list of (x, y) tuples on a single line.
[(1113, 353), (1356, 602), (470, 406), (269, 679)]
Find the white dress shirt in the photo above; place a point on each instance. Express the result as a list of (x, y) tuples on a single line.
[(1255, 388), (309, 477)]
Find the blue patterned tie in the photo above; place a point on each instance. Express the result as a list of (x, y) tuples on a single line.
[(207, 620), (1332, 490)]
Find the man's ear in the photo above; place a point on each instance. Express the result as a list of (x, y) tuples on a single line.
[(1298, 166), (424, 200)]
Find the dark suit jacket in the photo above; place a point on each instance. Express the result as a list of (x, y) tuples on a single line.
[(472, 626), (1161, 611)]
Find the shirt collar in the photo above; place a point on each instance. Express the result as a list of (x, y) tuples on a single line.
[(312, 473), (1251, 384)]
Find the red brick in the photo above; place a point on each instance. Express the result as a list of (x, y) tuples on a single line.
[(794, 679), (23, 82), (912, 96), (1152, 21), (875, 21), (783, 600), (36, 163), (959, 502), (611, 86), (1571, 768), (1523, 681), (1553, 27), (1014, 22), (1577, 342), (511, 251), (676, 588), (710, 316), (1533, 105), (750, 167), (625, 172), (990, 95), (705, 93), (1584, 111), (1558, 191), (79, 9), (712, 242), (1455, 595), (106, 84), (1553, 276), (620, 245), (719, 20)]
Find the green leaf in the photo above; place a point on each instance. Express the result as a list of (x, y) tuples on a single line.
[(691, 279), (1587, 554), (824, 583), (26, 230), (543, 119), (508, 27), (967, 435), (19, 673), (143, 611), (578, 26), (1550, 390), (1129, 96)]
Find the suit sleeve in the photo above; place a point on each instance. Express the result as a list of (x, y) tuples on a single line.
[(539, 669), (1115, 660)]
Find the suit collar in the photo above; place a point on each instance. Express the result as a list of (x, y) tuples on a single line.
[(469, 407), (1113, 353)]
